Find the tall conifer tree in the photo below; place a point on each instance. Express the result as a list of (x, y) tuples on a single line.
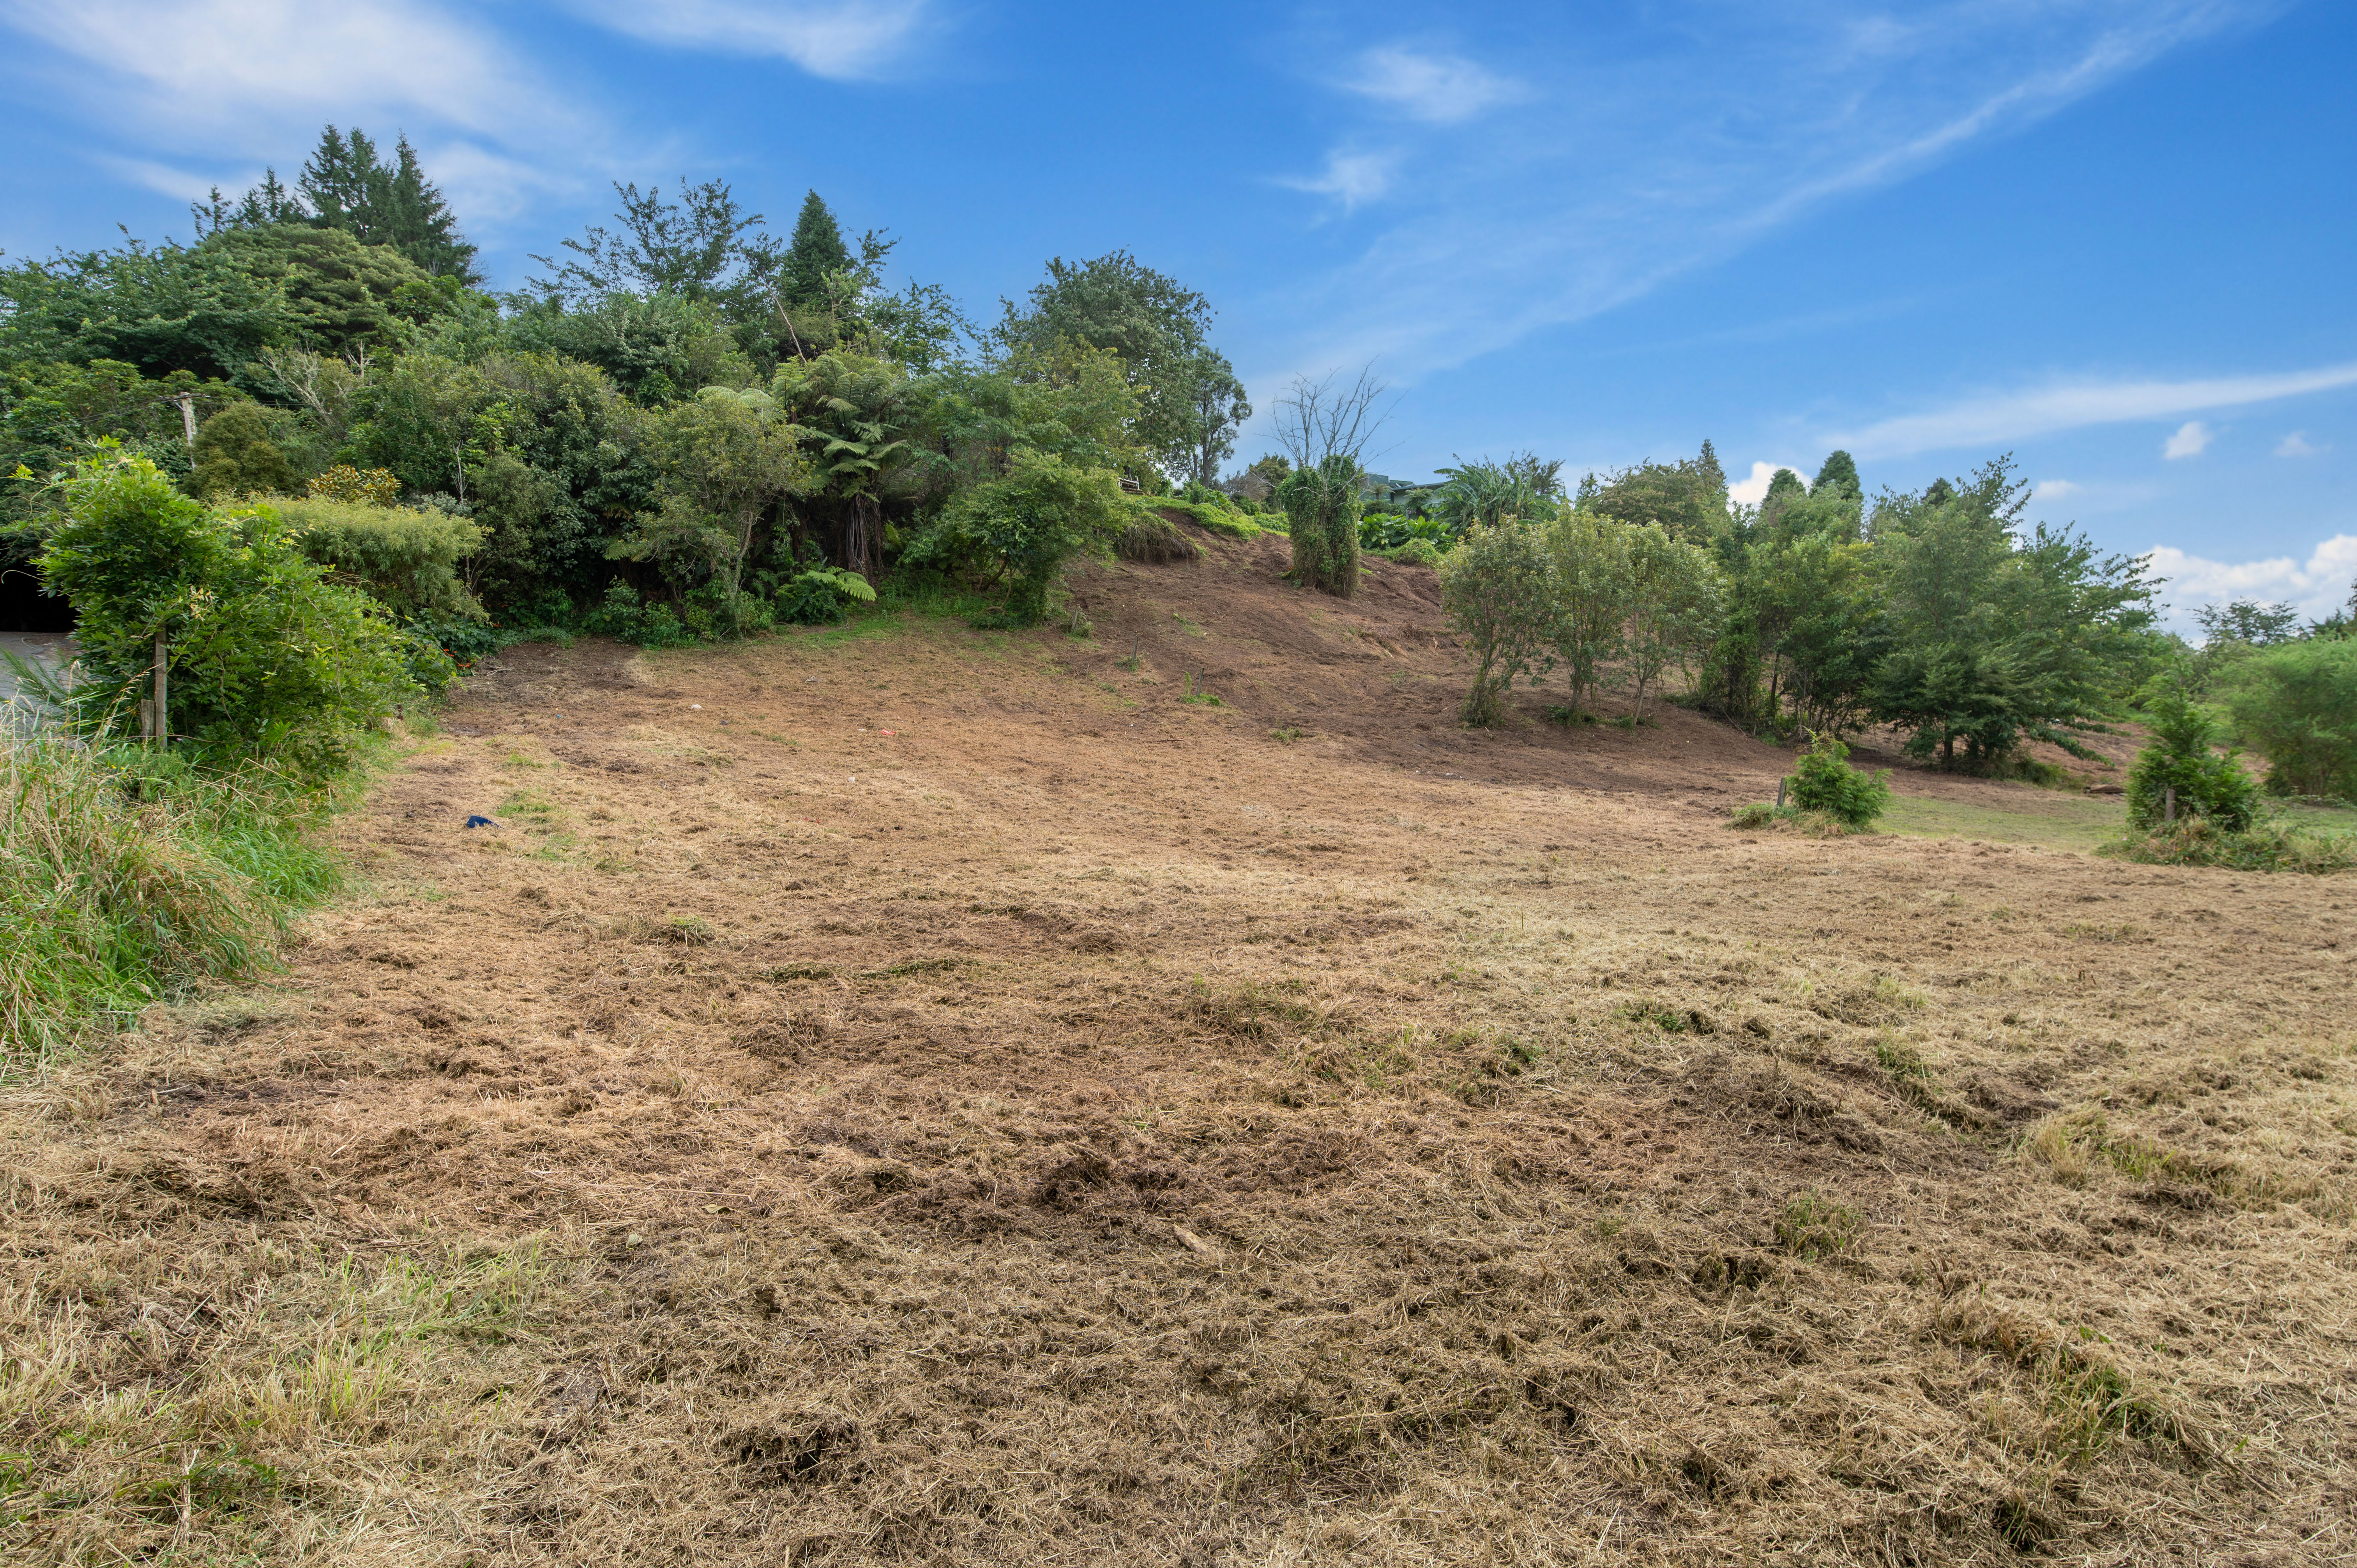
[(817, 249)]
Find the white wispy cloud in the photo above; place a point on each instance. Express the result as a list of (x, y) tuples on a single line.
[(1619, 169), (233, 84), (2190, 439), (2297, 445), (1997, 418), (1438, 88), (2315, 587), (2055, 490), (845, 39), (207, 66), (1350, 177)]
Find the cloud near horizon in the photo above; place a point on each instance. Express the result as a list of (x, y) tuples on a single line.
[(1993, 420), (231, 86), (1754, 490), (2315, 587)]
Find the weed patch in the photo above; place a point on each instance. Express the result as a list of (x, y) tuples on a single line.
[(2273, 844), (1815, 1227), (125, 876)]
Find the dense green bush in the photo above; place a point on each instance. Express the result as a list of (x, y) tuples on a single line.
[(2297, 705), (1497, 588), (2182, 760), (1415, 553), (624, 618), (1388, 533), (267, 659), (821, 595), (1822, 780), (236, 457), (1321, 508), (407, 557), (1042, 513)]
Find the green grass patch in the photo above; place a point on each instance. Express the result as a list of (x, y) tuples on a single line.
[(1218, 519), (2043, 818), (126, 877), (1816, 1227)]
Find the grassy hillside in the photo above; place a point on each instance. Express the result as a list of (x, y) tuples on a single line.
[(905, 1093)]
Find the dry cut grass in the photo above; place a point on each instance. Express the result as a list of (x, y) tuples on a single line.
[(1074, 1127)]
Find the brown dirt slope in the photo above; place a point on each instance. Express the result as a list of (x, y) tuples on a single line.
[(907, 1094)]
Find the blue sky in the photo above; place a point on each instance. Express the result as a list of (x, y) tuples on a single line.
[(2112, 238)]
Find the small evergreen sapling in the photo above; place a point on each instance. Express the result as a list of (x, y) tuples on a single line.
[(2180, 760)]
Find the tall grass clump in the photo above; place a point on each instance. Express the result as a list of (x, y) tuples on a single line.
[(2272, 842), (125, 875)]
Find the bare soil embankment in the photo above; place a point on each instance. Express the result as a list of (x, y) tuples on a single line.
[(907, 1094)]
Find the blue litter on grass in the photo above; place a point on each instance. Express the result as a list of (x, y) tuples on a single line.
[(480, 823)]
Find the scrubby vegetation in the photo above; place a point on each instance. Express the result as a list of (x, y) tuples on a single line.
[(126, 873), (680, 405), (1824, 782)]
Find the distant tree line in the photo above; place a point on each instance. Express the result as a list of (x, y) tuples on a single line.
[(1945, 613), (683, 425)]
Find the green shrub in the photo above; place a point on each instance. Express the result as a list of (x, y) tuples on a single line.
[(2297, 705), (1387, 533), (820, 596), (2271, 844), (1415, 553), (125, 874), (235, 455), (1497, 589), (407, 558), (266, 658), (1043, 511), (1824, 782), (621, 616), (1321, 508), (2180, 760), (378, 487)]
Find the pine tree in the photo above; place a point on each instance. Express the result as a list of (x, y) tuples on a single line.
[(269, 202), (1839, 478), (1714, 477), (335, 182), (1786, 488), (418, 221), (817, 249)]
